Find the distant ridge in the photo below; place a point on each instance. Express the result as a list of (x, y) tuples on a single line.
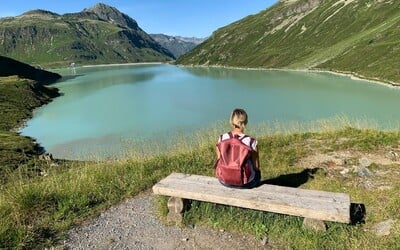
[(350, 36), (178, 45), (40, 12), (97, 35)]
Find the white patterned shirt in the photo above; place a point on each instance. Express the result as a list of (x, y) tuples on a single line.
[(243, 137)]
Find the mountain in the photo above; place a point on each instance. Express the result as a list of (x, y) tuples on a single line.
[(352, 36), (10, 67), (176, 44), (100, 34)]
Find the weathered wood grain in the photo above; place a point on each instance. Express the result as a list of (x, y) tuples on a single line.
[(321, 205)]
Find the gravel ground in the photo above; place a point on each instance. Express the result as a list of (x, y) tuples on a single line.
[(134, 225)]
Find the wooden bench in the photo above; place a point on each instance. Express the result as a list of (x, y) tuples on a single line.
[(313, 204)]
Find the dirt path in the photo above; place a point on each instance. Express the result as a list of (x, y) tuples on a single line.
[(134, 225)]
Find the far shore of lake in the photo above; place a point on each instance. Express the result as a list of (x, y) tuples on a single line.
[(351, 75), (121, 64)]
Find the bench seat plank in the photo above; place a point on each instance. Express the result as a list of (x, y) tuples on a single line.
[(321, 205)]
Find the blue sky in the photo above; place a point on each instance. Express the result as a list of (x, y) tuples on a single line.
[(198, 18)]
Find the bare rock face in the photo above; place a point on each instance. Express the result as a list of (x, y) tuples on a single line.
[(383, 228), (112, 15), (300, 6)]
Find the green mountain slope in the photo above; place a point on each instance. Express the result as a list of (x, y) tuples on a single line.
[(22, 89), (100, 34), (359, 36), (10, 67)]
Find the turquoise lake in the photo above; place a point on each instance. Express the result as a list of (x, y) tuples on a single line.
[(102, 108)]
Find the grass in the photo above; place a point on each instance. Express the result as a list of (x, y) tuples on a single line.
[(18, 98), (360, 38), (280, 155), (43, 208), (37, 210)]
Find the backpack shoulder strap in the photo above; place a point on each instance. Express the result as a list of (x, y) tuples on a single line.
[(222, 136), (244, 137), (252, 142)]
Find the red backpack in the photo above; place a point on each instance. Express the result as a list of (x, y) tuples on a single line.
[(234, 164)]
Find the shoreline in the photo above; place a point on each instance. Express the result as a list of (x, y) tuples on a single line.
[(19, 98), (54, 93), (355, 76), (351, 75), (118, 64)]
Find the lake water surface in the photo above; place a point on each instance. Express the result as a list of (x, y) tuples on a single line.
[(103, 107)]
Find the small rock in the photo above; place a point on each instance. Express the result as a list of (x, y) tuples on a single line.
[(392, 155), (344, 171), (46, 156), (185, 239), (364, 162), (264, 241), (317, 225), (362, 171), (383, 228)]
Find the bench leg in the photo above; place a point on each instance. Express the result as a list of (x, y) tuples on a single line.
[(176, 208)]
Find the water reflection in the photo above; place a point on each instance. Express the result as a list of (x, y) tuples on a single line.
[(104, 106), (89, 83)]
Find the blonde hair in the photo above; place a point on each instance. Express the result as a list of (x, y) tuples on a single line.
[(238, 119)]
